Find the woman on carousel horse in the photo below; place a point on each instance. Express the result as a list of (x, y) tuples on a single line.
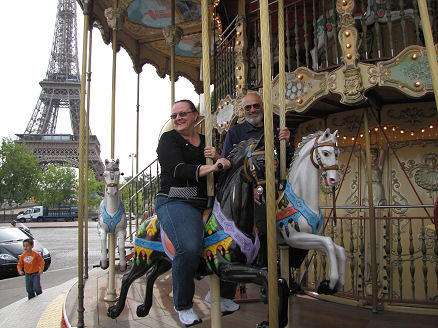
[(181, 200)]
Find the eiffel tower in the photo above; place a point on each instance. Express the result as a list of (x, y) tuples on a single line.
[(61, 88)]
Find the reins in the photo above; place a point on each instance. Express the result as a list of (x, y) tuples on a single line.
[(320, 165)]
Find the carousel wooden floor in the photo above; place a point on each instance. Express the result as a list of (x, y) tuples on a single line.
[(306, 311)]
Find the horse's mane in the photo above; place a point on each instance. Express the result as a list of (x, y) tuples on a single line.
[(304, 142), (234, 192)]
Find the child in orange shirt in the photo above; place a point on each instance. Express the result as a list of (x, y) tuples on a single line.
[(33, 265)]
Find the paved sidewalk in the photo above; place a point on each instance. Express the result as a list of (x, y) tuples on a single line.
[(43, 311)]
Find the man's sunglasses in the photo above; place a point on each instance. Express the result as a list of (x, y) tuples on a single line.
[(181, 114), (248, 107)]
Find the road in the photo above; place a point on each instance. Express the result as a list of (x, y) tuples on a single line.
[(62, 243)]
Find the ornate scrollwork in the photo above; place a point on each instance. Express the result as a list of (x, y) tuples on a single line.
[(115, 18), (353, 87), (397, 197), (172, 34)]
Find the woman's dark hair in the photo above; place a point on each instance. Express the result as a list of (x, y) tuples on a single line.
[(189, 102)]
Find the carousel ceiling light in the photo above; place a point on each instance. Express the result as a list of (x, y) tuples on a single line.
[(238, 33), (348, 45), (347, 33), (412, 133), (418, 83), (361, 135), (237, 42), (431, 126), (385, 128), (240, 77), (402, 131), (238, 68), (414, 56), (344, 137), (376, 129), (299, 101), (369, 130), (352, 138), (300, 76), (393, 128), (344, 2), (237, 86), (423, 130), (349, 56)]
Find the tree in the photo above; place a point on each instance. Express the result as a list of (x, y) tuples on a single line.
[(58, 186), (96, 190), (19, 172)]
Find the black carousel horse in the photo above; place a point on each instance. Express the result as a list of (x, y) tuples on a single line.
[(230, 241)]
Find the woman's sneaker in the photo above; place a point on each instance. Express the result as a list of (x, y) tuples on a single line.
[(227, 305), (188, 317)]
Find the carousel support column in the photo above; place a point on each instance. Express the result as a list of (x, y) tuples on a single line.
[(430, 49), (269, 158), (240, 50), (136, 157), (284, 250), (87, 150), (114, 17), (372, 217), (172, 57), (87, 11), (214, 279), (172, 35)]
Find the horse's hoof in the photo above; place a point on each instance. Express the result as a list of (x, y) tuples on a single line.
[(324, 288), (142, 311), (263, 324), (112, 312), (104, 266)]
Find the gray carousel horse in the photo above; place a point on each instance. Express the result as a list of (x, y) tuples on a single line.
[(111, 217)]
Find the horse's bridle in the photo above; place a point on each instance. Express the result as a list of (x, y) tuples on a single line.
[(112, 184), (320, 165), (253, 176)]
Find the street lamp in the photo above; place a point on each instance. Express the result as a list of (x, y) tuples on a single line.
[(132, 155)]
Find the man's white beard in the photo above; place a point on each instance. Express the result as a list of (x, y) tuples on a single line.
[(255, 121)]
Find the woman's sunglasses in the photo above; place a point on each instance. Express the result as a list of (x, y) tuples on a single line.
[(181, 114)]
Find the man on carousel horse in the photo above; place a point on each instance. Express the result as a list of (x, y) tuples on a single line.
[(253, 127)]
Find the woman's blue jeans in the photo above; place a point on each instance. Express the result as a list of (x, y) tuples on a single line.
[(33, 285), (182, 223)]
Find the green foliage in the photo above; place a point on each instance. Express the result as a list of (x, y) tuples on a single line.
[(96, 190), (58, 186), (19, 172)]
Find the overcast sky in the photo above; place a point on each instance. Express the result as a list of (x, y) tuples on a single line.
[(28, 29)]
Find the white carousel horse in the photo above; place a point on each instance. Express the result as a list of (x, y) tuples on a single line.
[(111, 217), (299, 221)]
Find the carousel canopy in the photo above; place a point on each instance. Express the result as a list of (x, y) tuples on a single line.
[(142, 34)]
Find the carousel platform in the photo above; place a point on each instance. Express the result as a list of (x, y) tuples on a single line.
[(306, 311)]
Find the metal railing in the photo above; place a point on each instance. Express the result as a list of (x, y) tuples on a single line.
[(407, 258)]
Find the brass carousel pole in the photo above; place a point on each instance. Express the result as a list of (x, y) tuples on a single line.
[(430, 48), (136, 157), (372, 217), (284, 250), (269, 158), (214, 280), (87, 10), (87, 149), (172, 58), (114, 17)]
